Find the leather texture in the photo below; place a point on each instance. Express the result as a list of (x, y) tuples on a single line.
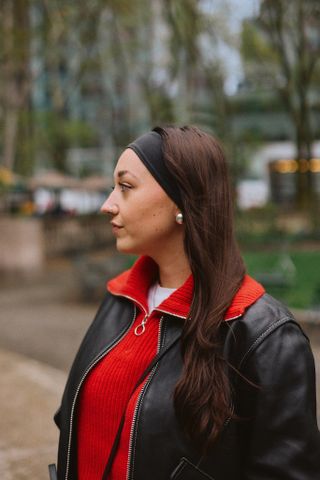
[(276, 438), (188, 471)]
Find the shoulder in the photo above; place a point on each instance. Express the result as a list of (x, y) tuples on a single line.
[(264, 316), (267, 321), (274, 393), (268, 347)]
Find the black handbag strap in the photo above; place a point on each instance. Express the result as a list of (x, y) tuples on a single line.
[(52, 471), (151, 365)]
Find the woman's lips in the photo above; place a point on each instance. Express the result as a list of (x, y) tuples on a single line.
[(116, 227)]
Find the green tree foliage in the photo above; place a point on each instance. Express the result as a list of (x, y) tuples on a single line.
[(281, 49), (115, 66)]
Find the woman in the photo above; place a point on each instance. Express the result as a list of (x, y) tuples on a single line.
[(231, 395)]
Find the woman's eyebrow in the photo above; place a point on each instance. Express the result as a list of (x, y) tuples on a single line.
[(121, 173)]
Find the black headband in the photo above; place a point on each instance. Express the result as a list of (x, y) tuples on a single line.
[(148, 147)]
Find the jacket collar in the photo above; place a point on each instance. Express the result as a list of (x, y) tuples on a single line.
[(135, 282)]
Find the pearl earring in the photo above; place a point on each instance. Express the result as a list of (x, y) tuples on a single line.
[(179, 218)]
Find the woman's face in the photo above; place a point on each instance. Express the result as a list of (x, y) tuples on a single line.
[(143, 216)]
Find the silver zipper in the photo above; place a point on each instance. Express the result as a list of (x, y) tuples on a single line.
[(132, 299), (164, 311), (139, 401), (95, 361), (144, 321), (233, 318), (172, 314), (184, 317), (140, 329)]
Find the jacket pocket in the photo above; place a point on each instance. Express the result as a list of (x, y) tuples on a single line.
[(188, 471)]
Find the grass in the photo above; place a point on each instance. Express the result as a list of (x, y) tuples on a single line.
[(304, 292)]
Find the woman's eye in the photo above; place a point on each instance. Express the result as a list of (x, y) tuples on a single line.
[(124, 187)]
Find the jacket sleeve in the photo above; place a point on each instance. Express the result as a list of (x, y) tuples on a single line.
[(278, 426)]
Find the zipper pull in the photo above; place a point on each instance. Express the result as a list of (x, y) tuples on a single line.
[(140, 329)]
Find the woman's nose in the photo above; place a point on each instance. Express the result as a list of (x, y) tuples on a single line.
[(109, 206)]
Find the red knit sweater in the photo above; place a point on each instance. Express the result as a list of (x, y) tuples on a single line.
[(105, 394)]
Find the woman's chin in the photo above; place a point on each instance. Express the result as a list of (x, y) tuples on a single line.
[(123, 247)]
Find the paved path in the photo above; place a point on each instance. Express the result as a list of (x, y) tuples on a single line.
[(41, 321), (43, 324), (30, 393), (42, 317)]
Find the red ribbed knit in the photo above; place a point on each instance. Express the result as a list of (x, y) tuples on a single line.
[(106, 390), (104, 397)]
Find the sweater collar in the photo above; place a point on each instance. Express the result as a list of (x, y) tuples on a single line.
[(135, 283)]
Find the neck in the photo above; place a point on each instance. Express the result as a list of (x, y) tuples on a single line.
[(173, 270)]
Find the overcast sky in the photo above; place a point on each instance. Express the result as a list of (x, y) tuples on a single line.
[(239, 10)]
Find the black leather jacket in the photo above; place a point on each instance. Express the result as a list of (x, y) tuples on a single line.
[(277, 437)]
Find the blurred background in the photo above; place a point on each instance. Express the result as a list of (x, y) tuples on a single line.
[(78, 82)]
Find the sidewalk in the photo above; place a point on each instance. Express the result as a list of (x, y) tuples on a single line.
[(30, 394)]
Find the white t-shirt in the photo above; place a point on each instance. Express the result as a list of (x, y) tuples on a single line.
[(157, 294)]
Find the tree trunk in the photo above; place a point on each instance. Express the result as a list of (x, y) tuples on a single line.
[(15, 77), (10, 137), (304, 187)]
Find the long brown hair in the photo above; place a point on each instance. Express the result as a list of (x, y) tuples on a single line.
[(196, 160)]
